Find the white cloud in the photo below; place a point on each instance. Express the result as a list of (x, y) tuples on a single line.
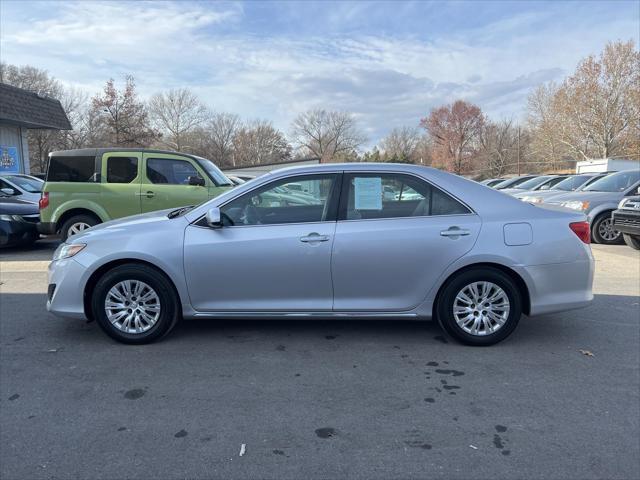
[(385, 80)]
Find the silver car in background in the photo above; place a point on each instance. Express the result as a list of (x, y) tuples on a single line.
[(572, 183), (599, 199), (379, 241), (22, 187)]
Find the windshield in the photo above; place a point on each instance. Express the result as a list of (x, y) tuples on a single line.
[(616, 182), (571, 183), (28, 184), (533, 182), (214, 172), (511, 182)]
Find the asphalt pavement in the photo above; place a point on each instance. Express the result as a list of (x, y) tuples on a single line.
[(309, 399)]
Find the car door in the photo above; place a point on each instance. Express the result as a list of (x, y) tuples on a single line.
[(272, 254), (120, 183), (389, 252), (166, 182)]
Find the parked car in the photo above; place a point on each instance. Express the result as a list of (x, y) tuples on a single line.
[(23, 187), (598, 200), (513, 182), (18, 221), (492, 182), (543, 182), (572, 183), (626, 220), (90, 186), (469, 256)]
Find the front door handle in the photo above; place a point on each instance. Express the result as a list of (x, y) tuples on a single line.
[(455, 232), (314, 237), (148, 194)]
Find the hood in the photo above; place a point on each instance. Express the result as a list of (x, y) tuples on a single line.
[(588, 196), (133, 224), (13, 206)]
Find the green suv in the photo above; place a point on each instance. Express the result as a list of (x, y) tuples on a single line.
[(89, 186)]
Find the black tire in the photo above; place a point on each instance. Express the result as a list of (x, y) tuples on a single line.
[(168, 301), (599, 224), (633, 242), (447, 298), (77, 219)]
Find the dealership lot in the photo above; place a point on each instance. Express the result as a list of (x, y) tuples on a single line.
[(314, 399)]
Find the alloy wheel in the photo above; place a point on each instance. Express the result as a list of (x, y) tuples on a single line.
[(132, 306), (481, 308), (77, 228), (606, 230)]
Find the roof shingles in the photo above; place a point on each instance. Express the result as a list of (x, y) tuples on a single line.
[(30, 110)]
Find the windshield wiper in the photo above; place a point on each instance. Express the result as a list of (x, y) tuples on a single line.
[(179, 211)]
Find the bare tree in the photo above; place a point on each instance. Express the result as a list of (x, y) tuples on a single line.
[(125, 120), (401, 145), (499, 147), (455, 130), (258, 142), (176, 113), (214, 139), (327, 135)]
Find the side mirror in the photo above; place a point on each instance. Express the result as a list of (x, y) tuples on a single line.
[(196, 180), (214, 218), (9, 191)]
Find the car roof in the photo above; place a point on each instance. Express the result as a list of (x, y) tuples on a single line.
[(94, 152)]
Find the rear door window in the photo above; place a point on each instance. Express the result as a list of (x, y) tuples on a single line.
[(122, 169), (72, 169), (382, 195), (170, 171)]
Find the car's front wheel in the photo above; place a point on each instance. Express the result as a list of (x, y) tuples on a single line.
[(480, 306), (135, 304), (602, 230), (633, 242)]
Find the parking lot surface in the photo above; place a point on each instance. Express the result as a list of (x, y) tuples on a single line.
[(311, 399)]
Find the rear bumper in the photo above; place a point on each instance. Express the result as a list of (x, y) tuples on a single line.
[(47, 228), (560, 286), (626, 222)]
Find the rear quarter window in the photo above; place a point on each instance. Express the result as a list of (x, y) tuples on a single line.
[(72, 169)]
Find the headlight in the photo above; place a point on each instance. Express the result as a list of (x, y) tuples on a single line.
[(576, 205), (11, 218), (532, 199), (622, 202), (68, 250)]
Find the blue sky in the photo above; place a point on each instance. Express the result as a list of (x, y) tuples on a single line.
[(387, 62)]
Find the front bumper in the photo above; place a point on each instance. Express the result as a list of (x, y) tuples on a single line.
[(626, 221), (47, 228), (67, 280), (14, 233)]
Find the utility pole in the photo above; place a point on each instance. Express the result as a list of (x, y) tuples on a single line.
[(518, 154)]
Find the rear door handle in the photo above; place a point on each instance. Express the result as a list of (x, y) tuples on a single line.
[(146, 194), (314, 237), (455, 232)]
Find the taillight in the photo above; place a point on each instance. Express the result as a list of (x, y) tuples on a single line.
[(44, 200), (582, 230)]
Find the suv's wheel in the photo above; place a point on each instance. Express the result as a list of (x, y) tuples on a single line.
[(633, 242), (602, 230), (481, 306), (77, 224), (135, 304)]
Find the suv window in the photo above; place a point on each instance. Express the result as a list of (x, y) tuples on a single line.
[(170, 171), (72, 169), (122, 169), (281, 202), (372, 195)]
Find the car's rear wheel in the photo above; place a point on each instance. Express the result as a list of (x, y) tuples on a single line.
[(602, 230), (135, 304), (633, 242), (77, 224), (480, 306)]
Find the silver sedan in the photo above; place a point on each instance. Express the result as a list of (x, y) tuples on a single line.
[(377, 241)]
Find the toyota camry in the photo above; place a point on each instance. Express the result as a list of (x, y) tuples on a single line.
[(383, 241)]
